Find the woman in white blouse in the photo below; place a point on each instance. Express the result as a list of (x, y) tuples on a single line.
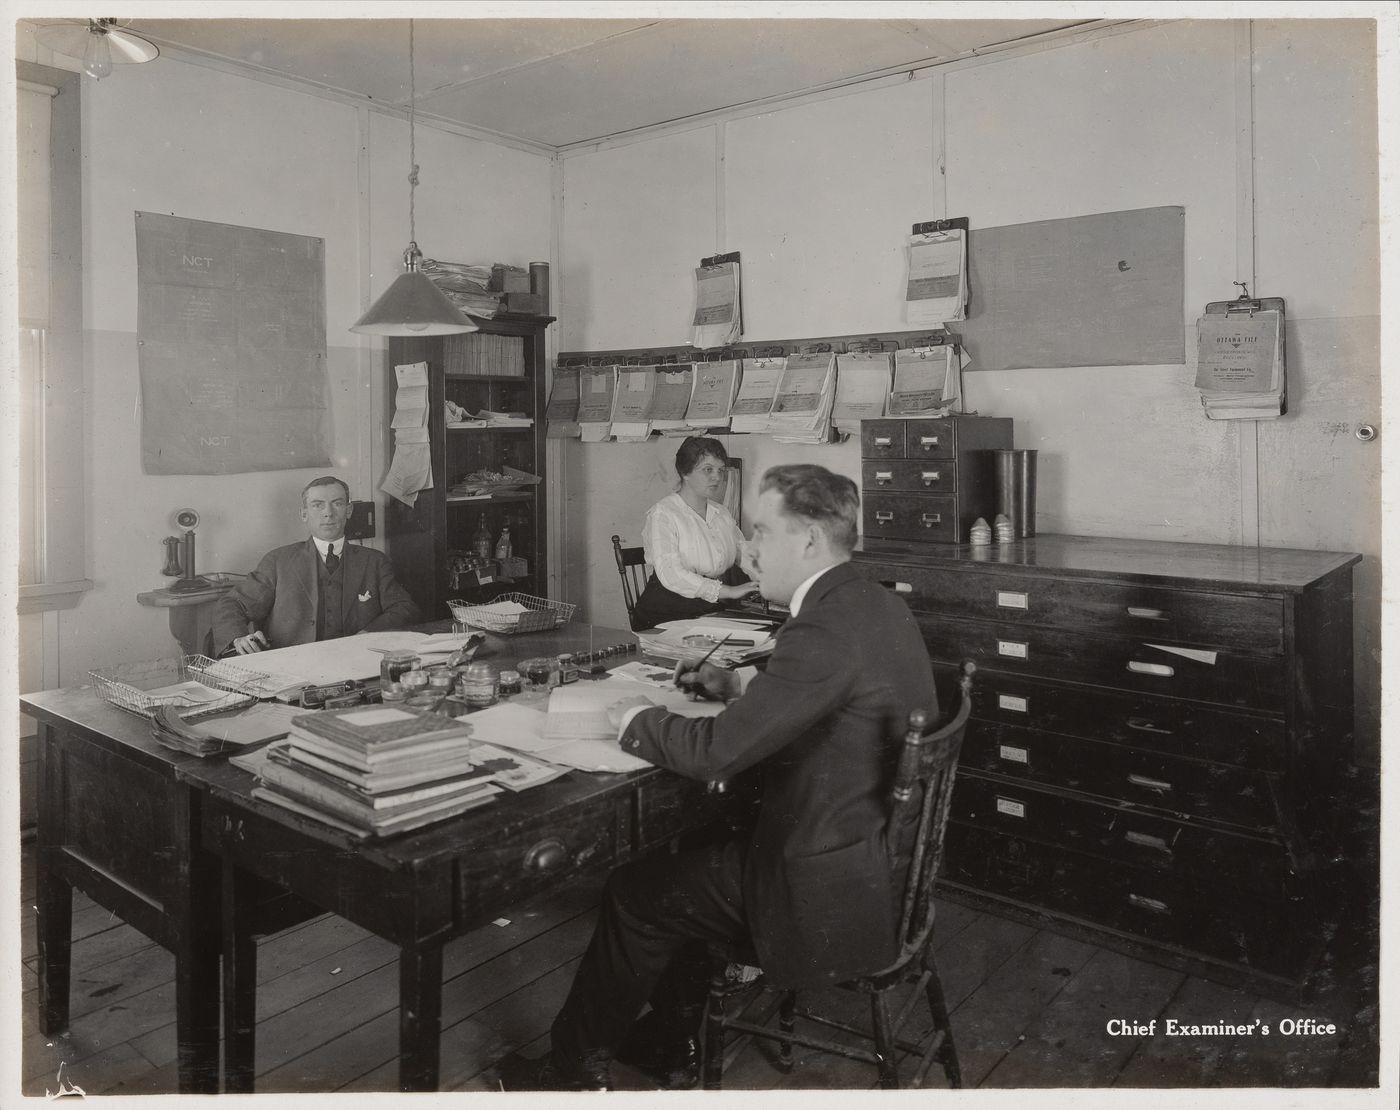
[(691, 541)]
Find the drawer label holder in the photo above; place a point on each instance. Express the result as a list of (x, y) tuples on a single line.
[(1012, 649), (1012, 703), (1010, 807)]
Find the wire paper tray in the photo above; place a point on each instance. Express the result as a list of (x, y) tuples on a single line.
[(129, 686), (543, 614)]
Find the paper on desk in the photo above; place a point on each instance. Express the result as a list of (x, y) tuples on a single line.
[(511, 725), (265, 721), (185, 693), (328, 661), (595, 755), (580, 711)]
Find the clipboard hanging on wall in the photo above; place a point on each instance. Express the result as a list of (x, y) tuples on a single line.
[(717, 319), (928, 377), (936, 289), (1241, 358)]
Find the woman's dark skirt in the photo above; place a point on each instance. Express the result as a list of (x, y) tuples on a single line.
[(658, 604)]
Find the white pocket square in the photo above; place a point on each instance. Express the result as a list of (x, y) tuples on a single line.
[(364, 596)]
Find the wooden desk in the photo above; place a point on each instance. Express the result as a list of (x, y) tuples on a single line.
[(141, 829)]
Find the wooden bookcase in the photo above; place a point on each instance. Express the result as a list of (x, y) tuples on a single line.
[(424, 540)]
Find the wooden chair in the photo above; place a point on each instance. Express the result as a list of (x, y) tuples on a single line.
[(632, 569), (923, 786)]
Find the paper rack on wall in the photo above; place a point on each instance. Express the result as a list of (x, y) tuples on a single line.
[(1241, 358)]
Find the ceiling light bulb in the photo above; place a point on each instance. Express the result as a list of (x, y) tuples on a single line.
[(416, 325), (97, 58)]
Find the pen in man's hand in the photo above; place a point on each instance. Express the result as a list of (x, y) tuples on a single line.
[(694, 693)]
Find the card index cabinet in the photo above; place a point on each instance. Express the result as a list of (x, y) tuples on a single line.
[(1157, 735), (929, 479), (427, 542)]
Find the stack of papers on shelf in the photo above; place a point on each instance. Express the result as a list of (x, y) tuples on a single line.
[(1239, 365), (632, 402), (802, 409), (862, 388), (597, 387), (411, 469), (505, 419), (712, 394), (715, 321), (927, 381), (464, 285), (758, 390), (937, 286)]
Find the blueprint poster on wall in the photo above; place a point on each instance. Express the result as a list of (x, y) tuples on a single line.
[(232, 338)]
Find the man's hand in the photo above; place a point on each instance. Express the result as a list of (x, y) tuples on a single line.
[(619, 709), (709, 682), (247, 645)]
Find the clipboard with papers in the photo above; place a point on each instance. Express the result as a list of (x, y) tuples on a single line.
[(1241, 358)]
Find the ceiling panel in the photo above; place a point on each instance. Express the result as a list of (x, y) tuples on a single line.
[(563, 81)]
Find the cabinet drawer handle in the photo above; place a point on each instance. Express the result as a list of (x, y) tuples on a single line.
[(1147, 840), (1142, 724), (1146, 614), (547, 855), (1142, 902), (1139, 667), (884, 477), (928, 520), (883, 441), (883, 517), (928, 477), (928, 441), (1157, 786)]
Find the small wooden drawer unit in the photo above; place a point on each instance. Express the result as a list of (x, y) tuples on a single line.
[(921, 480), (1156, 734)]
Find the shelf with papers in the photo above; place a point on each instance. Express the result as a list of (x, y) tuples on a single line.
[(431, 542)]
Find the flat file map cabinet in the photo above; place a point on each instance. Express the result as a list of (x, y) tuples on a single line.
[(1156, 737)]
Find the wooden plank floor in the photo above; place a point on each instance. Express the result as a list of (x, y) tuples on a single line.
[(1029, 1009)]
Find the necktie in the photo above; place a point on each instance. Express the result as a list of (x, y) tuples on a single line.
[(332, 560)]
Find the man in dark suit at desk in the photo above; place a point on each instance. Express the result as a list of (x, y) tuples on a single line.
[(816, 884), (318, 589)]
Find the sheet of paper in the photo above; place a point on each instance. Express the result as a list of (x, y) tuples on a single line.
[(1197, 655), (672, 398), (511, 725), (1237, 352), (265, 721), (863, 382), (185, 693), (330, 661), (937, 287), (410, 472), (595, 755), (923, 381), (597, 384), (410, 407), (411, 373), (712, 393), (579, 711), (715, 321)]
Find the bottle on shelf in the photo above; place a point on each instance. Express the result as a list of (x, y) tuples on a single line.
[(481, 541), (503, 544)]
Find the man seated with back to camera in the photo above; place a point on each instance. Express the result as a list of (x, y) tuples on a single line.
[(318, 589), (815, 885)]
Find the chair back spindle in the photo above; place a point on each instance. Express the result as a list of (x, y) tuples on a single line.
[(632, 569)]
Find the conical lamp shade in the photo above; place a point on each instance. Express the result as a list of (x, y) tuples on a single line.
[(413, 305)]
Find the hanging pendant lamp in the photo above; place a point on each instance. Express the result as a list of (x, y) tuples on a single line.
[(413, 305), (98, 46)]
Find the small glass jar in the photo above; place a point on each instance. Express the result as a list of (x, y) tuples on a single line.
[(540, 673), (568, 669), (440, 680), (508, 684), (393, 693), (415, 688), (396, 664), (478, 685)]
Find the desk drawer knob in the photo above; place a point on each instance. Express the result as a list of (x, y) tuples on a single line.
[(1157, 786), (547, 855), (1152, 905), (1159, 669)]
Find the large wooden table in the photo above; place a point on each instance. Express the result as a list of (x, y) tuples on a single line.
[(177, 847)]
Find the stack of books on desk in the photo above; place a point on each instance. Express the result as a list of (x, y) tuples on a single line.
[(375, 770)]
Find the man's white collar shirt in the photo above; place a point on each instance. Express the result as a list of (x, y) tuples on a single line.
[(323, 547)]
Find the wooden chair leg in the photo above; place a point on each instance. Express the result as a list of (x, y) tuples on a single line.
[(938, 1007), (884, 1041), (787, 1022), (712, 1043)]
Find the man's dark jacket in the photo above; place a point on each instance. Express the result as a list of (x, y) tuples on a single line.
[(281, 597), (825, 718)]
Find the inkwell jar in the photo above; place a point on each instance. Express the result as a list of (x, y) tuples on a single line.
[(477, 685)]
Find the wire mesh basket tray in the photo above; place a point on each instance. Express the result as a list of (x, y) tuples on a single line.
[(541, 614), (195, 685)]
